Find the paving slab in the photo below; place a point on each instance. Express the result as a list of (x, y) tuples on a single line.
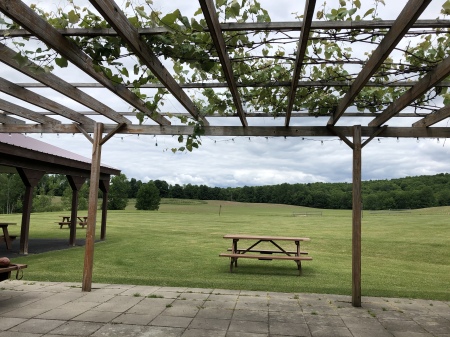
[(50, 309)]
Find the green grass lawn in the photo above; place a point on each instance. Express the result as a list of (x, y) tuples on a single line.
[(404, 255)]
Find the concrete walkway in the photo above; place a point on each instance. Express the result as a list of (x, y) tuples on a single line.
[(29, 309)]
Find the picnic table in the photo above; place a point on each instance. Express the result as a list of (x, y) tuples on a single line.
[(81, 220), (276, 253), (6, 237)]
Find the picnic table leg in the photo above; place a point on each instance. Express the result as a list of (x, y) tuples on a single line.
[(231, 264), (299, 263), (7, 239), (234, 251)]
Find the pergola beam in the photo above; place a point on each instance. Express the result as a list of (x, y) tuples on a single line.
[(405, 20), (238, 131), (10, 120), (440, 72), (27, 18), (301, 51), (245, 26), (195, 85), (212, 21), (117, 19), (26, 113), (434, 118), (41, 101), (63, 87)]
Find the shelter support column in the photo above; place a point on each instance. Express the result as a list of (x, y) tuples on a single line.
[(30, 178), (104, 186), (75, 183), (356, 218), (92, 210)]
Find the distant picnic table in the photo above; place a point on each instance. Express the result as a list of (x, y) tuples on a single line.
[(277, 253), (81, 220)]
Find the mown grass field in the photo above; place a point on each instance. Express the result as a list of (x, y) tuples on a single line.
[(404, 254)]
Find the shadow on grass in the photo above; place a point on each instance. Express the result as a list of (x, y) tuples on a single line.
[(38, 246)]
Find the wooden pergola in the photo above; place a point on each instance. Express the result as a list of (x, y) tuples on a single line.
[(340, 117)]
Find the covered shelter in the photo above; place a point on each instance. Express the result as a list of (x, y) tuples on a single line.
[(292, 88), (31, 159)]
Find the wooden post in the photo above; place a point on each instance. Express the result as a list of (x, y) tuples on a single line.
[(92, 211), (356, 218), (104, 186), (30, 178), (75, 183)]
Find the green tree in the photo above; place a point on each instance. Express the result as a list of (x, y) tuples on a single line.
[(83, 197), (176, 191), (148, 197), (135, 185), (11, 193), (163, 188), (118, 192)]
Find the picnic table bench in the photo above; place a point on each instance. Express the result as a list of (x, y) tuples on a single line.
[(265, 254), (5, 272)]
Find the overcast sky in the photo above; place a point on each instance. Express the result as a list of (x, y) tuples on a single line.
[(257, 160)]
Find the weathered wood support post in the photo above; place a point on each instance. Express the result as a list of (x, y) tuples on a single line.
[(92, 210), (104, 186), (356, 218), (75, 184), (30, 179)]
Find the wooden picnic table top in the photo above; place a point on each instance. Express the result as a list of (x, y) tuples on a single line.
[(6, 224), (263, 237)]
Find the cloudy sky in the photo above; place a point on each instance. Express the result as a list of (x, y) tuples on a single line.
[(240, 161)]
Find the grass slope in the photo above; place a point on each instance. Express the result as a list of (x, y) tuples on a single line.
[(404, 255)]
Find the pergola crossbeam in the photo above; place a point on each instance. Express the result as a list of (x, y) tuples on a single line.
[(10, 120), (440, 72), (405, 20), (41, 101), (63, 87), (26, 113), (301, 51), (434, 118), (212, 21), (117, 19), (246, 26), (237, 131), (31, 21)]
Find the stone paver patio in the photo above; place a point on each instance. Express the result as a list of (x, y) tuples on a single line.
[(31, 309)]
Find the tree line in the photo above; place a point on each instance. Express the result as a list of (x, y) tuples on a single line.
[(402, 193)]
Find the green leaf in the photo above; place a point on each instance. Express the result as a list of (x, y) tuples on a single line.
[(235, 8), (180, 139), (185, 21), (170, 18), (446, 8), (73, 17), (370, 11), (342, 2), (21, 60), (196, 26), (357, 3), (220, 3), (61, 62), (207, 66), (124, 71)]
